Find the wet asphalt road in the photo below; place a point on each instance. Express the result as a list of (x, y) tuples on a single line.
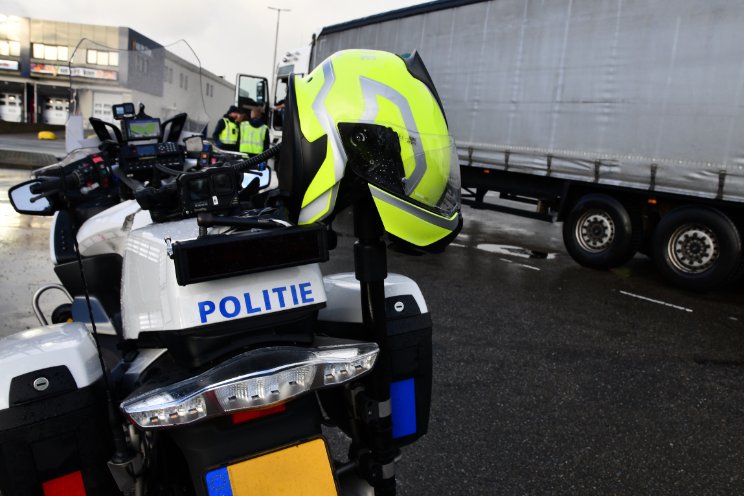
[(549, 378)]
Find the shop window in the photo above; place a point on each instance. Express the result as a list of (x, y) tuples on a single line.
[(45, 52), (14, 48), (98, 57), (50, 52)]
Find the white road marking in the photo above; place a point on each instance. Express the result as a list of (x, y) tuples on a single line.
[(529, 267), (677, 307), (458, 245), (512, 251), (506, 260)]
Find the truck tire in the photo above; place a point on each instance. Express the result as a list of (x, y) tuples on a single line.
[(599, 233), (697, 248)]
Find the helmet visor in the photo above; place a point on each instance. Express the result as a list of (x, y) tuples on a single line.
[(416, 167)]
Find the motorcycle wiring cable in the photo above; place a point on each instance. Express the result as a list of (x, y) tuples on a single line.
[(73, 98)]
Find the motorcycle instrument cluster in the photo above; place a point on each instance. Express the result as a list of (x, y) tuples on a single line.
[(123, 111), (139, 160), (142, 129)]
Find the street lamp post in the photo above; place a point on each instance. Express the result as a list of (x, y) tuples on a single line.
[(276, 39)]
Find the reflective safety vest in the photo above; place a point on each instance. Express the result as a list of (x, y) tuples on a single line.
[(252, 138), (229, 135)]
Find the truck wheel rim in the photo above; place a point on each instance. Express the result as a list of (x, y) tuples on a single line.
[(595, 231), (693, 248)]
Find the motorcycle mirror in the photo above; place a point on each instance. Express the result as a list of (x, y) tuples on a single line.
[(194, 145), (263, 177), (25, 202)]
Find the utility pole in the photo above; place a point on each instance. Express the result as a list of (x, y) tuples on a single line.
[(276, 39)]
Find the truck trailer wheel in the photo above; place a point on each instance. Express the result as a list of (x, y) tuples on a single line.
[(697, 248), (598, 232)]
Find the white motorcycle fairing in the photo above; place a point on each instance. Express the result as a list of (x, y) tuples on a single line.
[(68, 345), (152, 299), (344, 300), (107, 231)]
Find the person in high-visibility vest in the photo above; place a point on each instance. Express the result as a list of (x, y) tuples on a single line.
[(254, 134), (226, 132)]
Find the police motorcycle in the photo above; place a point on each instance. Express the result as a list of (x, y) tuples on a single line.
[(232, 349)]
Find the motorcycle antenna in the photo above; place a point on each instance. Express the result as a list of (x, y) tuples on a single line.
[(123, 460)]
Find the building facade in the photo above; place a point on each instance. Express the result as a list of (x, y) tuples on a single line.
[(49, 69)]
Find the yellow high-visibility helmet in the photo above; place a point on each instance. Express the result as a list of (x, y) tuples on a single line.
[(379, 116)]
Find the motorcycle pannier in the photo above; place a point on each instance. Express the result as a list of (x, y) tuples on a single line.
[(409, 340), (54, 435)]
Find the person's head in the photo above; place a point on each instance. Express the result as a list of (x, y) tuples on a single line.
[(233, 112), (256, 113)]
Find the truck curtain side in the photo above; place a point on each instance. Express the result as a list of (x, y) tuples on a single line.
[(609, 115)]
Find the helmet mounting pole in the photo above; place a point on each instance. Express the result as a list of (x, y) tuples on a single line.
[(370, 267)]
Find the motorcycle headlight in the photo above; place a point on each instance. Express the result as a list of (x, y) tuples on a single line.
[(255, 379)]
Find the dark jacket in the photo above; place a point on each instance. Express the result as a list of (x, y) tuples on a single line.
[(218, 130)]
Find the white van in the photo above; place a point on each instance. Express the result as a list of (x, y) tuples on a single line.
[(56, 111), (11, 107)]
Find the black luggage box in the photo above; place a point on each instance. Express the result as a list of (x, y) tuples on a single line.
[(57, 442), (410, 340)]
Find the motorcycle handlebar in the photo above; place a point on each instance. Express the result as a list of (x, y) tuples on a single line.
[(48, 184), (150, 197)]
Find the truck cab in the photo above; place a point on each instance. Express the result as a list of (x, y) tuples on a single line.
[(56, 111), (11, 107), (293, 62)]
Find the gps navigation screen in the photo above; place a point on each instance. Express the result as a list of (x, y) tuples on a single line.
[(141, 129)]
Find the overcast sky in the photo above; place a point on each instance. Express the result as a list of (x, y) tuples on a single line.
[(229, 36)]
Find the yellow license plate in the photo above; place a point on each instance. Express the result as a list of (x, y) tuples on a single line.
[(299, 470)]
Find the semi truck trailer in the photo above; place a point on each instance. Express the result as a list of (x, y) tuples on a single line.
[(623, 120)]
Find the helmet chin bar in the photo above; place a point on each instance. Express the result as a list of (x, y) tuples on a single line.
[(370, 267)]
